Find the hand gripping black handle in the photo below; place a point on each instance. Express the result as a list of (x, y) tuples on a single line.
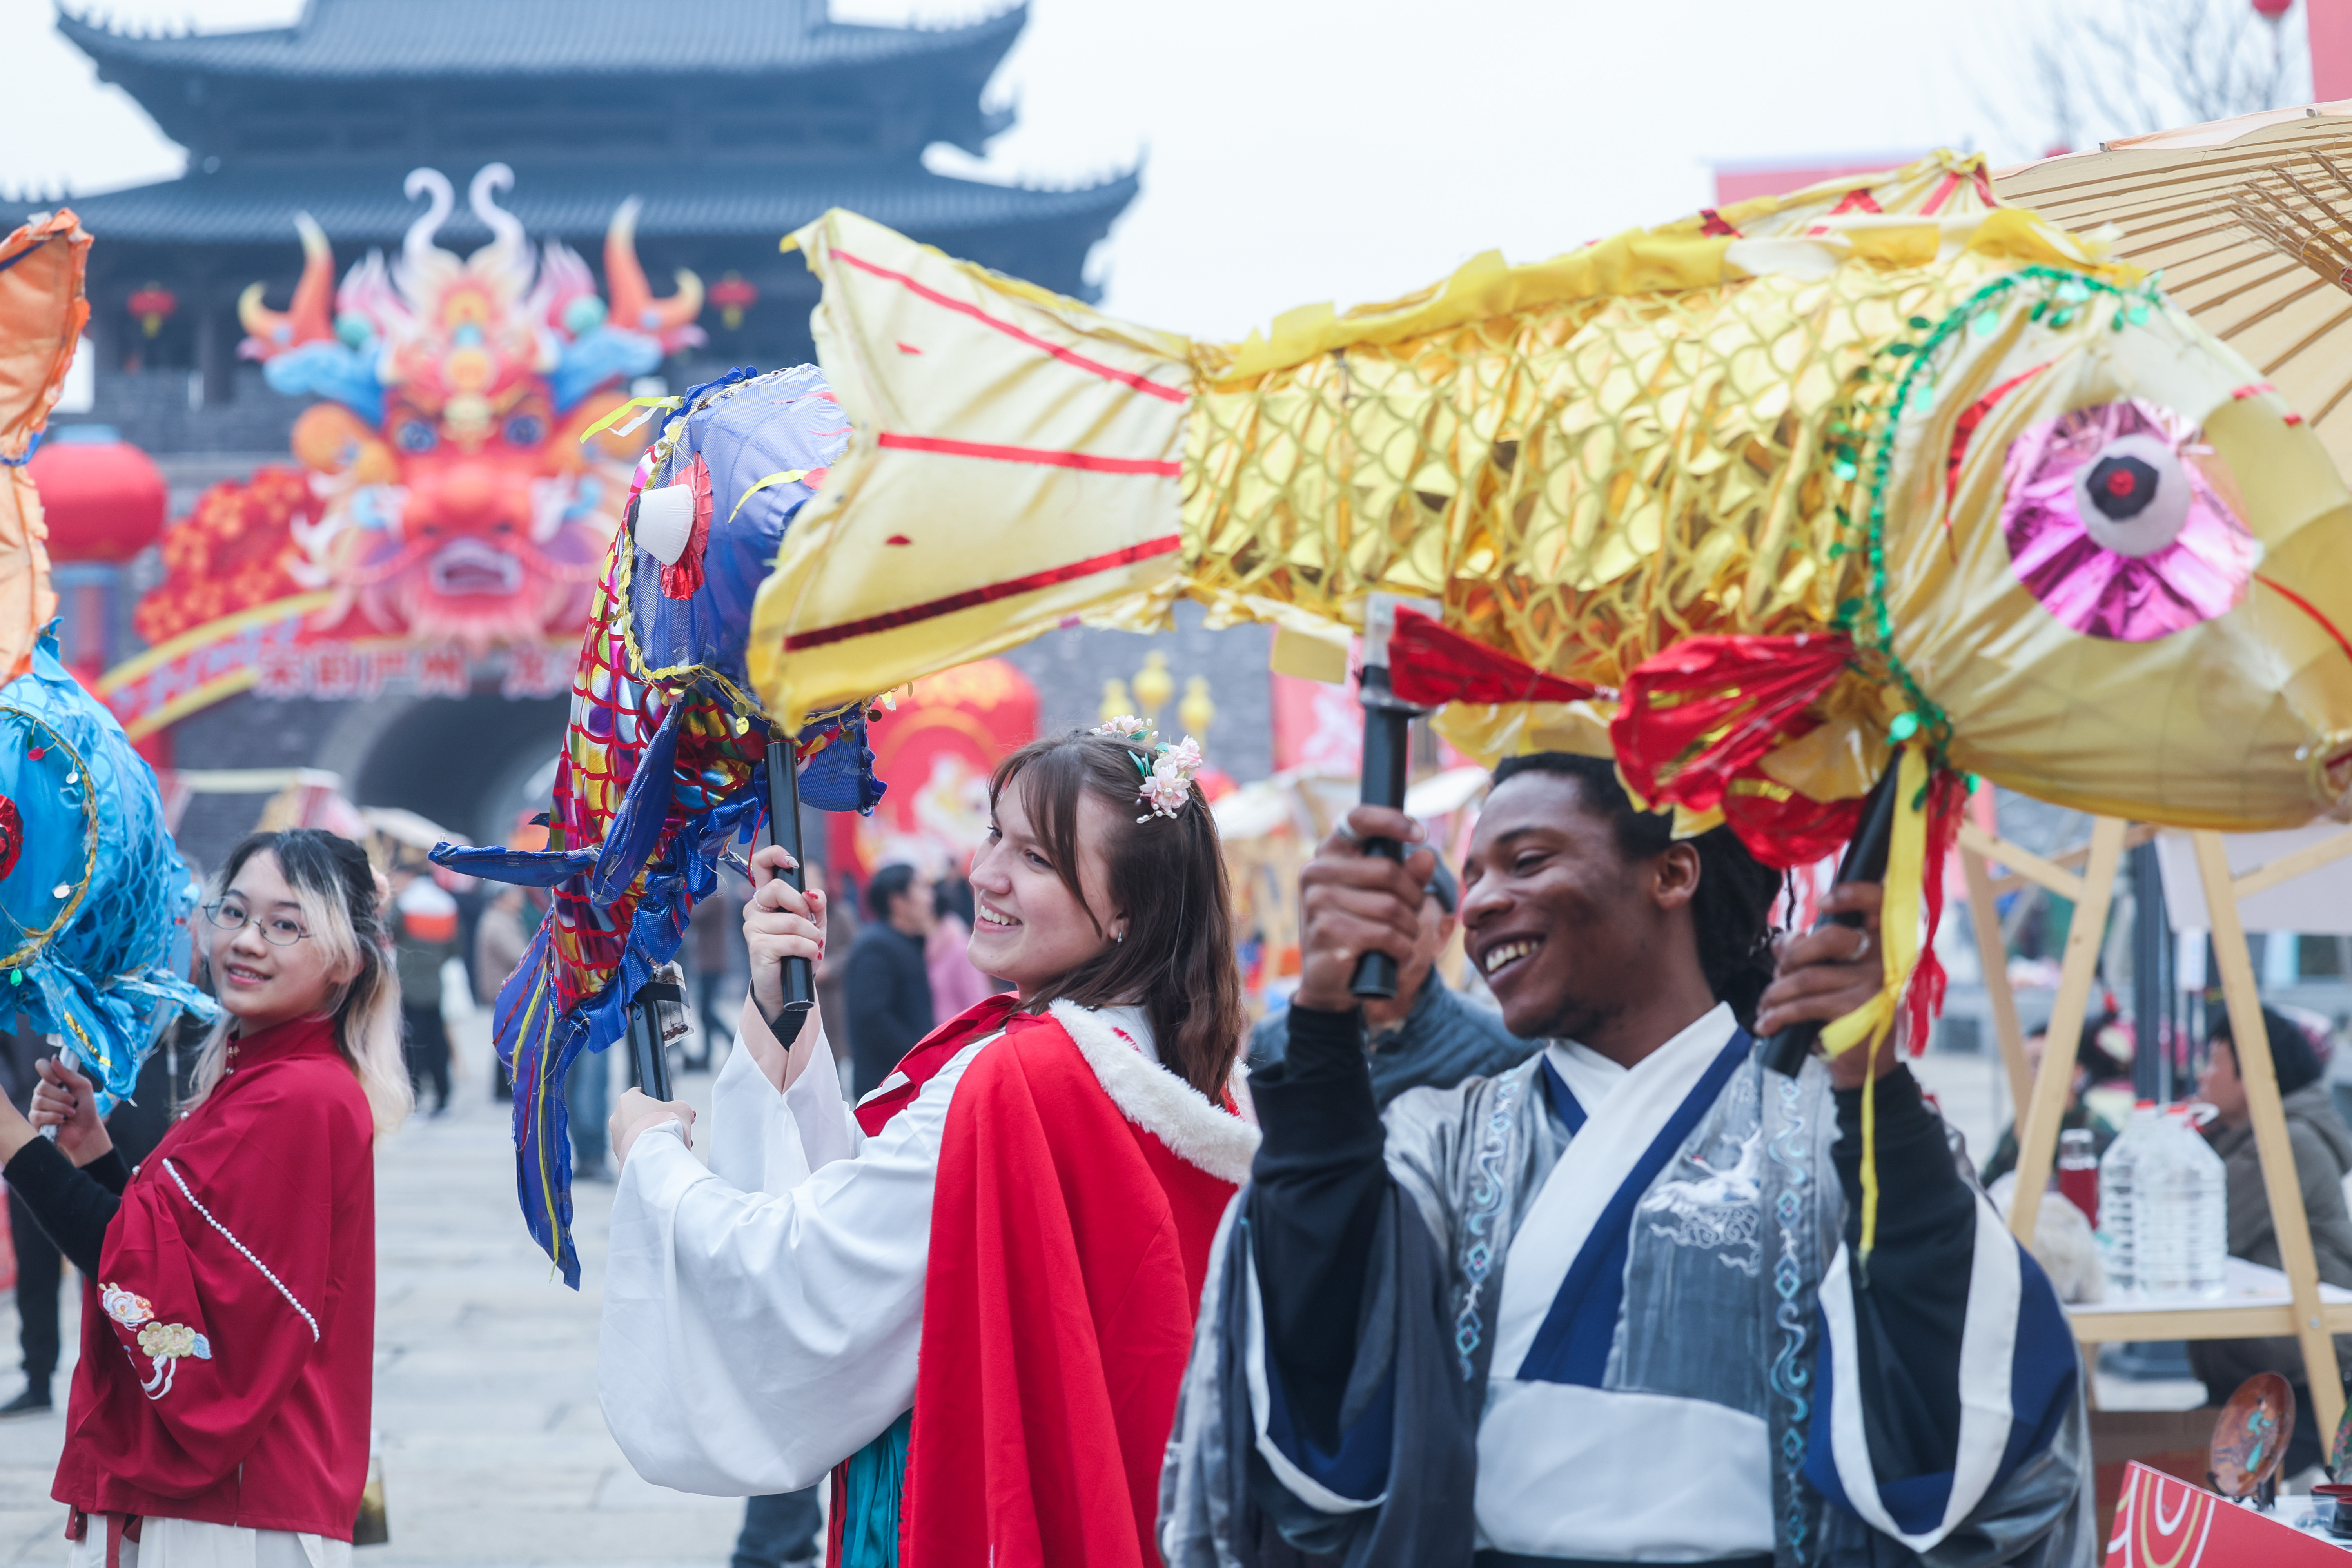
[(783, 827), (1388, 738), (1865, 861)]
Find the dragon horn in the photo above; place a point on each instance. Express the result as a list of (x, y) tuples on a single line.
[(310, 319), (634, 308), (624, 280), (416, 249), (506, 229), (682, 307)]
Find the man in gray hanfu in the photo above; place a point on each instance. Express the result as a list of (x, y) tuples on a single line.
[(1606, 1307)]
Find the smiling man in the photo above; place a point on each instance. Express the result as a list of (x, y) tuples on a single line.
[(1602, 1308)]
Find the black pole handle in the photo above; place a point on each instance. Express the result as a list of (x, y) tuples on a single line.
[(783, 827), (1388, 737), (645, 1052), (1864, 861)]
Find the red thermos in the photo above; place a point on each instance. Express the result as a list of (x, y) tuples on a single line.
[(2078, 1173)]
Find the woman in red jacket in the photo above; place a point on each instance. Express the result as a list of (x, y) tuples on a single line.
[(219, 1413)]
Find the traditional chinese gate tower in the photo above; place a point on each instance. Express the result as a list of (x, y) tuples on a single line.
[(729, 122), (733, 121)]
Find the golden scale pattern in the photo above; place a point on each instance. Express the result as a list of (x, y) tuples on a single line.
[(1641, 468)]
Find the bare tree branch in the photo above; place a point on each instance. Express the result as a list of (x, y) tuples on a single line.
[(2124, 68)]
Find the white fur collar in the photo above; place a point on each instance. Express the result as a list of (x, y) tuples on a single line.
[(1196, 1132)]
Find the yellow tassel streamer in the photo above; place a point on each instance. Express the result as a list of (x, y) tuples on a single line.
[(1898, 939), (648, 406), (788, 477)]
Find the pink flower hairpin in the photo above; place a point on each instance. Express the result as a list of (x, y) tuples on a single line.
[(1167, 771)]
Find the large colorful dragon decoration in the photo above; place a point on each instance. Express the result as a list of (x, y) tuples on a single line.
[(467, 475), (445, 496)]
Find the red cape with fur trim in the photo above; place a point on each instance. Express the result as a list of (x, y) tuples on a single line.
[(1069, 1239)]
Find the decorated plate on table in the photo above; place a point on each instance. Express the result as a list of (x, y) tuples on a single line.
[(2249, 1439)]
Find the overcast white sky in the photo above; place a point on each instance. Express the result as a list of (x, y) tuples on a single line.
[(1298, 151)]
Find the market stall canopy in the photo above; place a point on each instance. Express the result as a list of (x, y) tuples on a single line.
[(1442, 793), (402, 826), (2250, 221)]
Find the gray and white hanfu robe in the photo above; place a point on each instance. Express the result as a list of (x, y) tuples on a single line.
[(1585, 1314)]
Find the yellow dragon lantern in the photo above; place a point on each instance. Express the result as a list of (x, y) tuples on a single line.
[(1768, 492), (1877, 483)]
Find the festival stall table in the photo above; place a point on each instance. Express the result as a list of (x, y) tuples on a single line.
[(2253, 1305)]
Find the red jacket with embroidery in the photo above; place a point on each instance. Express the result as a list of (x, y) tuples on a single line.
[(226, 1370), (1069, 1241)]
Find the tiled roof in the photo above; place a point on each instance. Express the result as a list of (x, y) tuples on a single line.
[(364, 206), (355, 39)]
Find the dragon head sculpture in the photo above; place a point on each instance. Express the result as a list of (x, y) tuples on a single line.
[(458, 503)]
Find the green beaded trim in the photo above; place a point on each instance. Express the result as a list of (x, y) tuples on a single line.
[(2066, 295)]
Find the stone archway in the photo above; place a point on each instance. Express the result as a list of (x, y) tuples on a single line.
[(465, 762)]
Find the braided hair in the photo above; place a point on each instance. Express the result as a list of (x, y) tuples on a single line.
[(1732, 908)]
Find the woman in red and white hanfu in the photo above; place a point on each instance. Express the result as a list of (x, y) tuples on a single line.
[(972, 1298), (219, 1415)]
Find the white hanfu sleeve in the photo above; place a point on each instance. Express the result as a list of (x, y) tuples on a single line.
[(764, 1141), (754, 1339)]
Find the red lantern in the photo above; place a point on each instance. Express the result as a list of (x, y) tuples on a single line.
[(102, 498), (154, 306), (2272, 11), (733, 294)]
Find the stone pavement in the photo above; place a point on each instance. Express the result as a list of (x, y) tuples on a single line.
[(494, 1451)]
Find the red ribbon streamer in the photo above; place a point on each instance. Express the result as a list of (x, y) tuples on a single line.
[(1430, 664)]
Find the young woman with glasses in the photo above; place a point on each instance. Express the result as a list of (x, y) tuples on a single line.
[(220, 1408)]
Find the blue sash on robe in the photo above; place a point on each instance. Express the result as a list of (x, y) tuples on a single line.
[(1573, 1345)]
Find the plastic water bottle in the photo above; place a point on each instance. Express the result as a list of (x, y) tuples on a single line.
[(2119, 1185), (2181, 1219), (2206, 1221)]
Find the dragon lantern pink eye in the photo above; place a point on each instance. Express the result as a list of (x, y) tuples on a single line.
[(2133, 496), (2115, 522)]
